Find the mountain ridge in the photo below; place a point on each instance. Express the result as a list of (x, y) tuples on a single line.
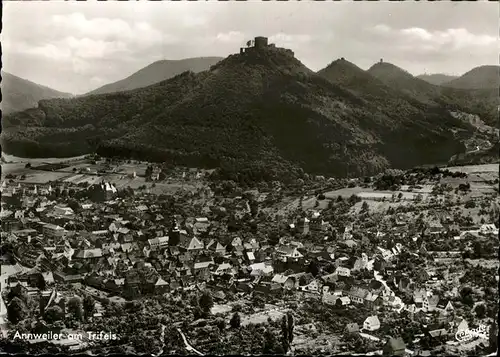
[(20, 94), (157, 72), (437, 78), (481, 77), (483, 102)]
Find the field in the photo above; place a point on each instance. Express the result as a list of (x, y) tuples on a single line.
[(475, 168), (270, 311)]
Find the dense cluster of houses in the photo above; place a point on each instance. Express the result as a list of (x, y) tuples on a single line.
[(132, 250)]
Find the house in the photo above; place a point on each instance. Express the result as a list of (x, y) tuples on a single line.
[(216, 248), (459, 324), (330, 296), (302, 226), (373, 300), (261, 269), (190, 244), (158, 243), (161, 286), (435, 227), (342, 271), (289, 253), (330, 278), (436, 331), (88, 253), (201, 225), (488, 229), (358, 295), (394, 347), (53, 231), (223, 268), (372, 323), (343, 301), (63, 211), (445, 307), (287, 282), (312, 286)]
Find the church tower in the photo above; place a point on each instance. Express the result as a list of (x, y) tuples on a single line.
[(174, 235)]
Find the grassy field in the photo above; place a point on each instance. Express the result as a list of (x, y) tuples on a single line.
[(475, 168), (16, 159)]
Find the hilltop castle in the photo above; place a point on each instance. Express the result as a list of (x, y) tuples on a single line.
[(262, 44)]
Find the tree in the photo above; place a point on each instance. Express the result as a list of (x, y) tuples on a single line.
[(220, 323), (75, 308), (16, 310), (53, 314), (480, 311), (206, 301), (313, 268), (235, 321), (470, 204), (466, 294), (287, 325), (88, 306), (19, 292), (493, 336), (271, 345)]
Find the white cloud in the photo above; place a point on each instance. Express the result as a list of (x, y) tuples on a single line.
[(381, 28), (417, 38), (88, 48), (456, 38), (107, 29), (231, 36), (285, 39)]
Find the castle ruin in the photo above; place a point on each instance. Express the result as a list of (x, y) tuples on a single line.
[(262, 44)]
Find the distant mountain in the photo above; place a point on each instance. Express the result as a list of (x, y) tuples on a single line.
[(348, 75), (19, 94), (478, 78), (483, 102), (437, 78), (157, 72), (256, 115)]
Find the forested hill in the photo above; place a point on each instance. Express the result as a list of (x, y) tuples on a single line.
[(481, 77), (436, 78), (483, 102), (261, 110), (20, 94)]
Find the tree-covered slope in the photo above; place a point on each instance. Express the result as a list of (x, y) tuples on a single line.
[(20, 94)]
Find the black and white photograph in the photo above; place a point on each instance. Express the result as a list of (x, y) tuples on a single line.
[(251, 178)]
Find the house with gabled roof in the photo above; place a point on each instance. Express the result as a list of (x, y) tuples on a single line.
[(158, 243), (371, 323), (190, 244), (88, 253), (394, 347), (358, 294), (262, 268), (215, 247), (289, 253)]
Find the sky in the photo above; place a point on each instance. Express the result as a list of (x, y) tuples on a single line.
[(79, 46)]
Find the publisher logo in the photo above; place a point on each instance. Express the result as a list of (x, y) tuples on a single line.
[(470, 334)]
